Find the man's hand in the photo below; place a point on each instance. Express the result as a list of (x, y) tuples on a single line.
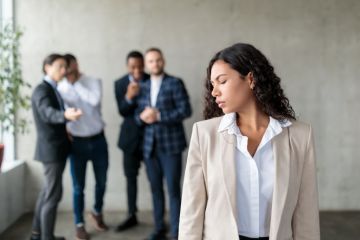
[(72, 114), (149, 115), (69, 135), (132, 90)]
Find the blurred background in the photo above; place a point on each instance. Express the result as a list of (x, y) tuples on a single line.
[(314, 46)]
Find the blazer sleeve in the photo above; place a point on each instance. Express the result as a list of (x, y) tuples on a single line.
[(45, 108), (141, 104), (194, 196), (182, 107), (305, 221), (126, 108)]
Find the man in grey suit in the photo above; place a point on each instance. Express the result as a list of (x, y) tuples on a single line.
[(52, 145)]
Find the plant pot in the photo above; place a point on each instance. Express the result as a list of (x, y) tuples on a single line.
[(1, 153)]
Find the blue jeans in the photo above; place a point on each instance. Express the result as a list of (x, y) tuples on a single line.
[(158, 166), (84, 149)]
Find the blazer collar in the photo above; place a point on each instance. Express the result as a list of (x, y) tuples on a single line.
[(281, 150)]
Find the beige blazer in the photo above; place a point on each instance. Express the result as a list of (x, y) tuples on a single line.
[(208, 208)]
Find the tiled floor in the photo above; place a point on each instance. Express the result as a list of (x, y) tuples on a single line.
[(334, 226)]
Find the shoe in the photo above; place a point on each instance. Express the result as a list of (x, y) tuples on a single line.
[(59, 238), (130, 222), (98, 222), (81, 233), (35, 236), (158, 235)]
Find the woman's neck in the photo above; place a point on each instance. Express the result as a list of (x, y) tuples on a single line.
[(253, 119)]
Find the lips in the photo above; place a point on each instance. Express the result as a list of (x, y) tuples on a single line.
[(220, 103)]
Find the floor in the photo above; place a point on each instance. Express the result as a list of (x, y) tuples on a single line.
[(334, 226)]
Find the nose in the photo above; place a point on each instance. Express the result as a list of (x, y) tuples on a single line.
[(215, 91)]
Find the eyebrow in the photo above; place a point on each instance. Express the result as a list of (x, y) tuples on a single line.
[(217, 78)]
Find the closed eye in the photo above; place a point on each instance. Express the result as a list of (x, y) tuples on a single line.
[(223, 82)]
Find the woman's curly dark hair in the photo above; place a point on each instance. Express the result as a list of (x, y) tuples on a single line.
[(245, 58)]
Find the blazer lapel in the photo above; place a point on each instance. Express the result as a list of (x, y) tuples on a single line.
[(281, 150), (59, 101), (227, 160), (147, 92)]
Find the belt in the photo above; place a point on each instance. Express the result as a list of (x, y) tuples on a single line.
[(93, 137), (247, 238)]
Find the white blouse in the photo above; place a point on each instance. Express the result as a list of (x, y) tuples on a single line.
[(254, 178)]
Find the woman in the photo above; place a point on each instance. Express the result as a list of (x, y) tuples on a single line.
[(251, 166)]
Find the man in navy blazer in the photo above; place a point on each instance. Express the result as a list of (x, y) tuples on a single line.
[(130, 137), (163, 104)]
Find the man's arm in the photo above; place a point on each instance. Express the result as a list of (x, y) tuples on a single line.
[(125, 106), (91, 93), (42, 102)]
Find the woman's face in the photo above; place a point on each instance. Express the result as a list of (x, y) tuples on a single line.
[(57, 70), (232, 92)]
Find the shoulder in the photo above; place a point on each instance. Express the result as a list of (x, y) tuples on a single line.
[(43, 86), (207, 126), (41, 90), (300, 134), (300, 129), (123, 79), (174, 82), (90, 79), (172, 79)]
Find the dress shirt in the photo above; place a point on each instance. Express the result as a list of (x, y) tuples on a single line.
[(155, 88), (84, 94), (254, 177)]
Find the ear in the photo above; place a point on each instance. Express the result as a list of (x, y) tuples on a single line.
[(250, 79), (46, 68)]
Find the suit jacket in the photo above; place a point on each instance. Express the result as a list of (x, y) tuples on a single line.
[(174, 106), (52, 143), (208, 208), (130, 133)]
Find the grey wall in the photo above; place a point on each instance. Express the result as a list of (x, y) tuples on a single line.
[(314, 46)]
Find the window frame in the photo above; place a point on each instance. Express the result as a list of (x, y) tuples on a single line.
[(7, 16)]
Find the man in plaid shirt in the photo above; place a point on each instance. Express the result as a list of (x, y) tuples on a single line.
[(163, 104)]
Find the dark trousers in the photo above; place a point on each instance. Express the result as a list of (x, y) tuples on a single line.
[(158, 166), (48, 200), (132, 162), (83, 150), (247, 238)]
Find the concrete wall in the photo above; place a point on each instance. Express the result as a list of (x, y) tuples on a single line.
[(314, 46), (12, 194)]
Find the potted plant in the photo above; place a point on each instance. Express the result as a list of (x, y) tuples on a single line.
[(11, 85)]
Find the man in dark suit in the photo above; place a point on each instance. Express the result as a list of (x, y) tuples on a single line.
[(52, 145), (163, 105), (130, 137)]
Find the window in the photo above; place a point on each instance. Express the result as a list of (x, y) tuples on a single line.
[(7, 16)]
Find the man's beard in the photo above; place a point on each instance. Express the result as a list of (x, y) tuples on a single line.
[(158, 72)]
